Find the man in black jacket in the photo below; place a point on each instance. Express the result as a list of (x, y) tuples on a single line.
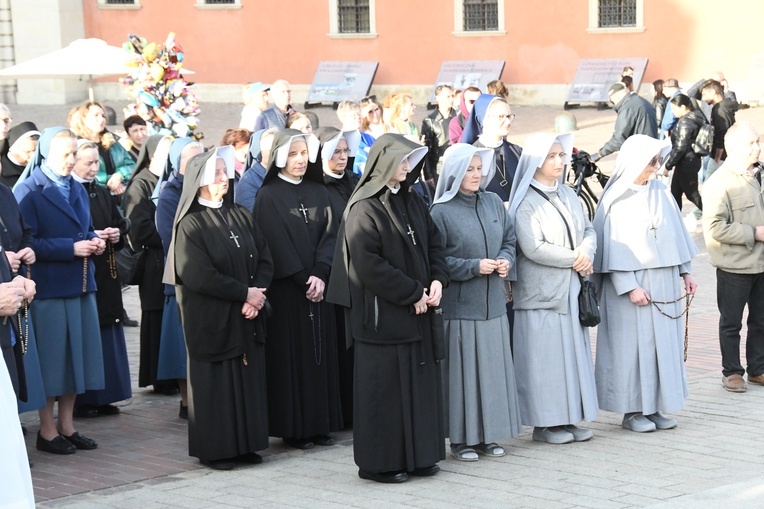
[(635, 116), (722, 117), (435, 131)]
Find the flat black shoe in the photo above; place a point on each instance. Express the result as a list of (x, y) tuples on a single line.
[(183, 412), (226, 464), (252, 458), (323, 440), (58, 445), (384, 477), (167, 388), (81, 442), (129, 322), (85, 411), (299, 443), (108, 410), (425, 471)]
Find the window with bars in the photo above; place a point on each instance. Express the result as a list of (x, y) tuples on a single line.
[(219, 2), (481, 15), (617, 13), (353, 17), (120, 2)]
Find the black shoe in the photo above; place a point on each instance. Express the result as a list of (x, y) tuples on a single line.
[(323, 440), (252, 458), (58, 445), (166, 388), (384, 477), (226, 464), (129, 322), (81, 442), (183, 412), (299, 443), (108, 410), (85, 411), (425, 471)]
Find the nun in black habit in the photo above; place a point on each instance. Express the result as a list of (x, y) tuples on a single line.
[(221, 267), (294, 213), (390, 270), (16, 152), (338, 150)]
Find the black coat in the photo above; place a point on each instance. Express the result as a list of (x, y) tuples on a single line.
[(387, 272), (140, 211), (682, 157), (659, 105), (105, 214), (340, 191)]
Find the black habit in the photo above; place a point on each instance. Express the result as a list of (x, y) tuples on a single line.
[(301, 354), (105, 214), (228, 414), (380, 271), (140, 210)]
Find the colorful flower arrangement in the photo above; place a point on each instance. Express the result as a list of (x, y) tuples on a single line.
[(162, 96)]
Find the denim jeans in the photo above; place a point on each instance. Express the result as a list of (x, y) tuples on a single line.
[(733, 292)]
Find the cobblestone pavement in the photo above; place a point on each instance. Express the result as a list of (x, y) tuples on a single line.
[(714, 458)]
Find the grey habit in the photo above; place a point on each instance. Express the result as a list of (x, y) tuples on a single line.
[(479, 376), (642, 243), (553, 361)]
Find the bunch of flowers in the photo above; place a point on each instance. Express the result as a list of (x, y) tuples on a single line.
[(162, 96)]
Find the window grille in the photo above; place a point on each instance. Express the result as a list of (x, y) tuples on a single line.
[(481, 15), (353, 16), (120, 2), (219, 2), (617, 13)]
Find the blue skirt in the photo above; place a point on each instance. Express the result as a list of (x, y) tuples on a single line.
[(35, 389), (116, 370), (69, 345), (172, 344)]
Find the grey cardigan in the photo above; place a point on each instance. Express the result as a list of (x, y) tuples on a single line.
[(475, 227), (544, 255)]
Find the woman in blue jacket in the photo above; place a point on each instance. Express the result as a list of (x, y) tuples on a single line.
[(66, 316)]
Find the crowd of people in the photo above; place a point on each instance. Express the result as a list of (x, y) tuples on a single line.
[(413, 285)]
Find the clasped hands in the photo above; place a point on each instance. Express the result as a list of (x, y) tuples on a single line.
[(14, 293), (640, 297), (582, 264), (85, 248), (430, 297), (109, 234), (16, 258), (254, 303), (489, 266)]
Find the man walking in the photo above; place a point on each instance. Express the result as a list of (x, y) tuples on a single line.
[(635, 116)]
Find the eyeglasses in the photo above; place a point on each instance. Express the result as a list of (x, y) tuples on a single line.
[(657, 161), (502, 118)]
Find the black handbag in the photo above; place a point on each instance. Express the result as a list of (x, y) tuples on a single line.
[(588, 306), (130, 264)]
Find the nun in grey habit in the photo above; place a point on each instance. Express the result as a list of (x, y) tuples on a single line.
[(644, 253), (553, 363), (478, 373)]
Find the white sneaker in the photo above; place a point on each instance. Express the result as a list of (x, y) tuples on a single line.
[(638, 423)]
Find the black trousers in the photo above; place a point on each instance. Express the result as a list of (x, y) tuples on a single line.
[(733, 292), (685, 181)]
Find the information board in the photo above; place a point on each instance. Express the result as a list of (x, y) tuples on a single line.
[(595, 75), (461, 74), (335, 82)]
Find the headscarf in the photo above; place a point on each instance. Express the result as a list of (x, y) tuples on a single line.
[(19, 133), (631, 250), (195, 172), (474, 126), (387, 153), (41, 152), (329, 137), (253, 154), (456, 160), (172, 166), (280, 149), (147, 153), (227, 154)]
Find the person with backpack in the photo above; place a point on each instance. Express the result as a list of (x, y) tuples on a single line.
[(683, 159)]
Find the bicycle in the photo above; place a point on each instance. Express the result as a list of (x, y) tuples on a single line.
[(581, 168)]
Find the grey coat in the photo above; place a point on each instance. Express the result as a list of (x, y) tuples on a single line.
[(544, 254), (475, 227)]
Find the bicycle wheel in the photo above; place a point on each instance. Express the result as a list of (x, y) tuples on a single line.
[(588, 204)]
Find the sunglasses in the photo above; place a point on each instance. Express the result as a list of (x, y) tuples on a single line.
[(369, 98)]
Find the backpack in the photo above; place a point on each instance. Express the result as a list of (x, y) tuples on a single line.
[(704, 140)]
